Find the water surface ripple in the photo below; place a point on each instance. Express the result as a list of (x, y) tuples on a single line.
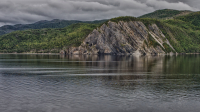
[(53, 83)]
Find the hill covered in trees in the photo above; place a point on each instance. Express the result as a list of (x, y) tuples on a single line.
[(46, 40), (182, 32), (165, 14), (56, 23)]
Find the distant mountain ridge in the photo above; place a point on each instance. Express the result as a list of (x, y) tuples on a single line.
[(166, 14), (56, 23)]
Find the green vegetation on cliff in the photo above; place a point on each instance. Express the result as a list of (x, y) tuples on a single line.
[(183, 33), (184, 37), (182, 28), (45, 40)]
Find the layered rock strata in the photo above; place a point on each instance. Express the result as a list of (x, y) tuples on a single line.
[(123, 38)]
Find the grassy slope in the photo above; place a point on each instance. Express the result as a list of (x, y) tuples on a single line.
[(183, 32), (184, 37), (165, 14), (45, 39), (182, 28), (192, 18)]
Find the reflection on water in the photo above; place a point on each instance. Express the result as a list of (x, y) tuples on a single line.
[(53, 83)]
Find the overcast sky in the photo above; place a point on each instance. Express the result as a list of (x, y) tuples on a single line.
[(29, 11)]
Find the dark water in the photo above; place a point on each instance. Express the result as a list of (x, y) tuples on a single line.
[(51, 83)]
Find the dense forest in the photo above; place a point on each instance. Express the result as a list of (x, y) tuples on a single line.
[(45, 40)]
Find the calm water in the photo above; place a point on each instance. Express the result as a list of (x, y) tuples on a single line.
[(53, 83)]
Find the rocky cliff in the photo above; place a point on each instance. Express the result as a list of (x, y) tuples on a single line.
[(121, 38)]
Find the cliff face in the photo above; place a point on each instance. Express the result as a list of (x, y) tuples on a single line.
[(124, 38)]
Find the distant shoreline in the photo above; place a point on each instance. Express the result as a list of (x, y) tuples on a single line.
[(98, 54), (34, 53)]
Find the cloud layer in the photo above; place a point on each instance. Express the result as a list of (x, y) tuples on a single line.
[(29, 11)]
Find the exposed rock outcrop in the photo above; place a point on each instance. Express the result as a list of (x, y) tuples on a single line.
[(123, 38)]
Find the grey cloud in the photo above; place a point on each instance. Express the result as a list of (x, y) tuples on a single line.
[(104, 2), (192, 3), (164, 4), (29, 11)]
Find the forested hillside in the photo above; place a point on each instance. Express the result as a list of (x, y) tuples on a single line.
[(165, 14), (45, 40), (56, 23), (192, 18)]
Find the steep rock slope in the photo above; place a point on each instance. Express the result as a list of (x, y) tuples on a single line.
[(120, 38)]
